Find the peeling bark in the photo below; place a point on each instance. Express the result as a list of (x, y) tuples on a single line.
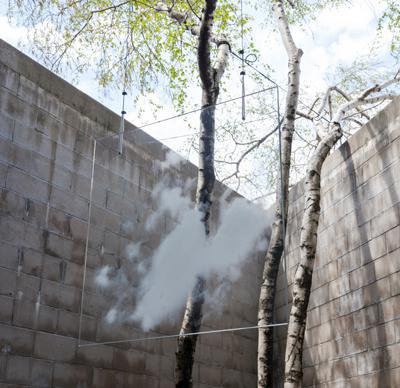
[(308, 237), (210, 79), (276, 245), (303, 276)]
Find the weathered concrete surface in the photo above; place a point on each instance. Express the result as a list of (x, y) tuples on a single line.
[(353, 326), (46, 131), (46, 127)]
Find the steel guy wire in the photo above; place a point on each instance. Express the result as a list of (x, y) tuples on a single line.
[(187, 113), (168, 336)]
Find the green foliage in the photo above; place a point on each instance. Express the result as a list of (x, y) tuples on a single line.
[(300, 12), (122, 41), (391, 18)]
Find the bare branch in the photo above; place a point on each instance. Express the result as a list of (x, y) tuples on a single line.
[(304, 115), (248, 151)]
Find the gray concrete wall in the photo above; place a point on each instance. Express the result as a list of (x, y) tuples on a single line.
[(46, 132), (353, 325)]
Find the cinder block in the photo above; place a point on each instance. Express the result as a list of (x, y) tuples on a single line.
[(232, 378), (9, 78), (73, 274), (393, 239), (389, 309), (60, 296), (16, 340), (167, 383), (58, 246), (388, 264), (391, 355), (70, 204), (99, 356), (25, 314), (153, 364), (70, 116), (377, 246), (104, 378), (27, 185), (8, 282), (394, 285), (351, 302), (51, 126), (22, 208), (41, 373), (26, 136), (167, 368), (47, 170), (370, 361), (68, 325), (54, 347), (12, 230), (319, 296), (8, 254), (381, 335), (27, 90), (366, 317), (27, 287), (105, 219), (385, 221), (3, 174), (19, 157), (210, 375), (377, 291), (18, 370), (48, 102), (132, 360), (339, 287), (6, 309), (80, 185), (362, 276), (32, 237), (71, 375)]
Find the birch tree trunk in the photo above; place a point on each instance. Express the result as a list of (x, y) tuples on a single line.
[(210, 79), (308, 235), (303, 276), (276, 245)]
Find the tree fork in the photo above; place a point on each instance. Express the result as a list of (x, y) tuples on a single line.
[(210, 77)]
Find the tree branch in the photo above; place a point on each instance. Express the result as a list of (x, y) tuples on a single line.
[(245, 153)]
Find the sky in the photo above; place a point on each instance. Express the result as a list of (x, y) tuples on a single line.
[(335, 37)]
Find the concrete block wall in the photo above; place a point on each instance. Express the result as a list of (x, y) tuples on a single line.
[(46, 145), (46, 132), (353, 327)]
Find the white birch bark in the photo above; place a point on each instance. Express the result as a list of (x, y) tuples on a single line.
[(308, 237), (276, 245)]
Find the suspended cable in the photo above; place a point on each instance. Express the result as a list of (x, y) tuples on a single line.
[(187, 113), (250, 64), (162, 337)]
